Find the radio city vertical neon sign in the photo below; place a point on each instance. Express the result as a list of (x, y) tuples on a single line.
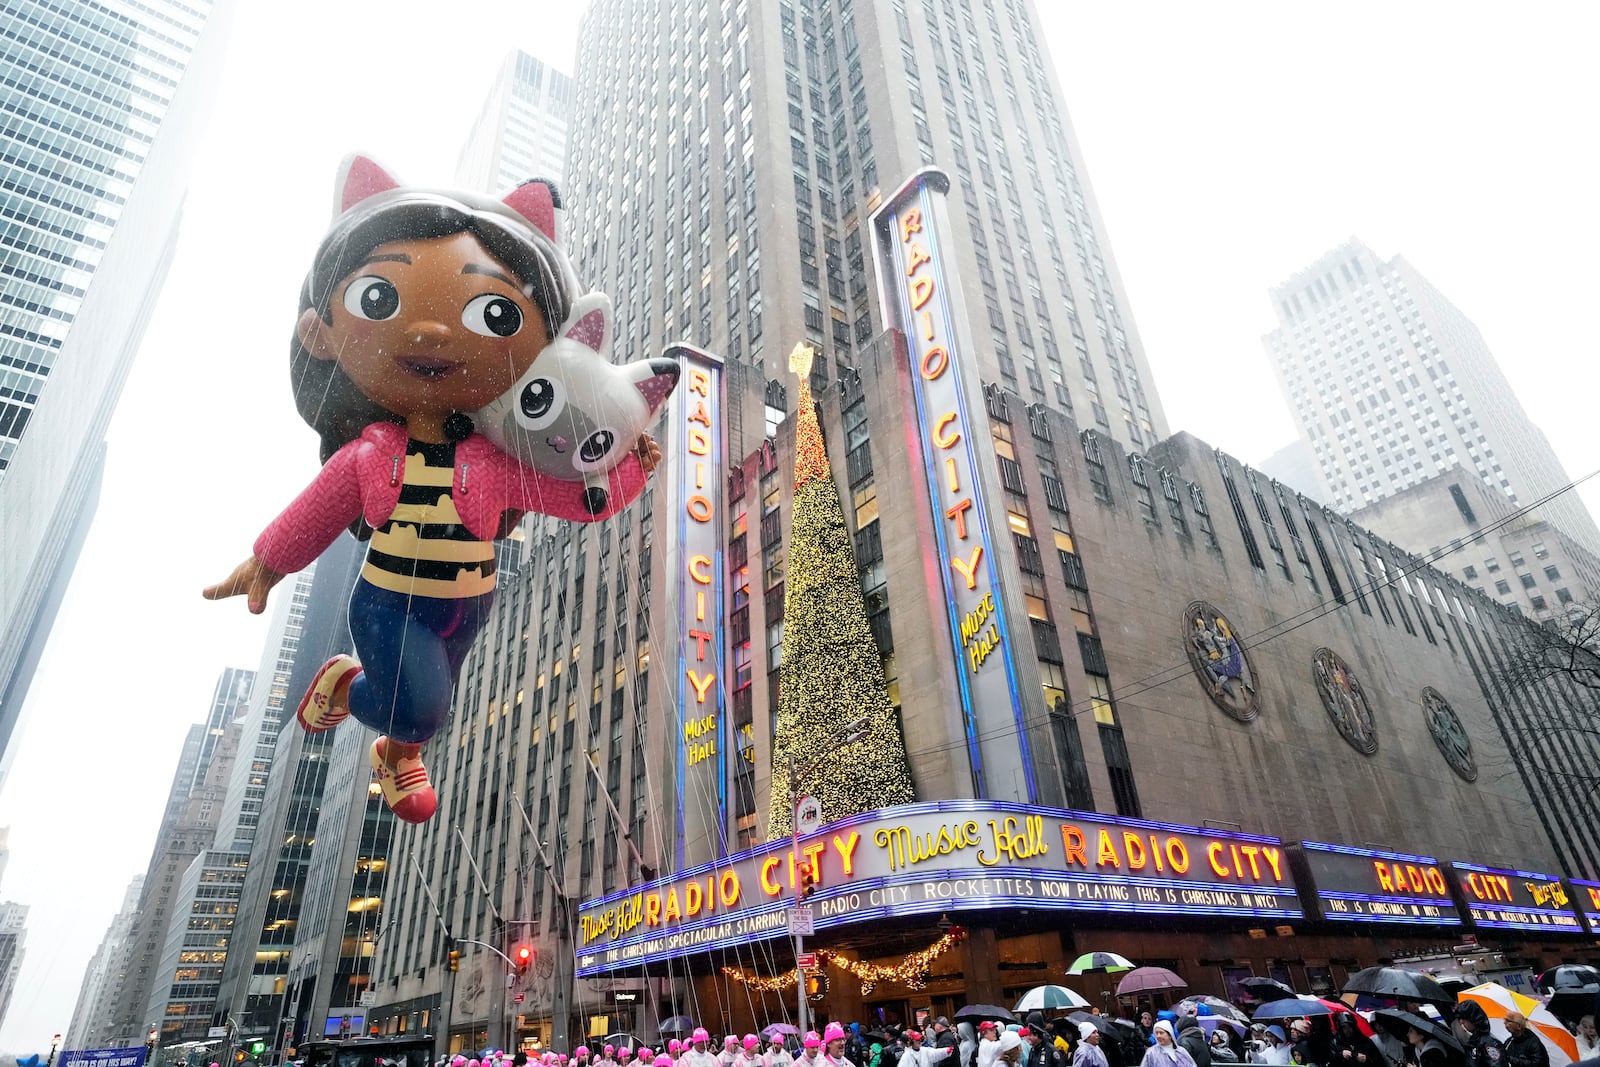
[(917, 295), (698, 576)]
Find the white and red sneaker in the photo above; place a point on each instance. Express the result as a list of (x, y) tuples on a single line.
[(406, 789), (326, 703)]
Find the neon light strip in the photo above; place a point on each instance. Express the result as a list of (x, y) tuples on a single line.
[(1379, 898), (1348, 850), (1458, 865), (1555, 913)]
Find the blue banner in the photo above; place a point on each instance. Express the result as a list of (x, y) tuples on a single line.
[(103, 1057)]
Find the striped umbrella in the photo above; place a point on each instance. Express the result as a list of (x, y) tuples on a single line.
[(1496, 1000), (1049, 998), (1109, 962)]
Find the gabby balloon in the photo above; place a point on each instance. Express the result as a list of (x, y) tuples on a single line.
[(421, 307)]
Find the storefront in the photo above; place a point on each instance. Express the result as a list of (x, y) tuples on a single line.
[(931, 906)]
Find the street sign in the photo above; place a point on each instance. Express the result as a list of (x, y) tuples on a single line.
[(802, 921), (368, 998), (808, 814), (217, 1031), (518, 998), (806, 961)]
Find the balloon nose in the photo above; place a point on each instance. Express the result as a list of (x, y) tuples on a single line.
[(428, 333)]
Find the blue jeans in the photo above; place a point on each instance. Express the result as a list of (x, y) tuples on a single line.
[(411, 649)]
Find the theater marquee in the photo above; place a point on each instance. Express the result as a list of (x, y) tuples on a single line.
[(1497, 898), (1357, 884), (940, 857)]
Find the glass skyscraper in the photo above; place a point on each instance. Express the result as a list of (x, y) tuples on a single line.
[(100, 104)]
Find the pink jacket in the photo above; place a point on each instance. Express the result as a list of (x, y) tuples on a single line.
[(362, 480)]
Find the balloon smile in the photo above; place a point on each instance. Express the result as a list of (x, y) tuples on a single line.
[(426, 367)]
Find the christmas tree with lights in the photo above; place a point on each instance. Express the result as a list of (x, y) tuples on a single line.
[(834, 716)]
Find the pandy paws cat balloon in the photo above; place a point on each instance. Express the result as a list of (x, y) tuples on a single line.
[(573, 413), (420, 307)]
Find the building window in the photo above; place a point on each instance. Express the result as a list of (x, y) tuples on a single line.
[(1539, 603), (1245, 533), (1540, 552), (1098, 481), (1552, 572), (1174, 499), (1527, 580), (1502, 586), (1563, 596), (1469, 573), (1517, 560), (1491, 565)]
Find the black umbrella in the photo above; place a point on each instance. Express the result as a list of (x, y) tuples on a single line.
[(1106, 1027), (1398, 984), (620, 1039), (1569, 978), (975, 1012), (1266, 990), (678, 1024), (1397, 1022), (1573, 989)]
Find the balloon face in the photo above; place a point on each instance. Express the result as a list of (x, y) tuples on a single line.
[(574, 414), (429, 326)]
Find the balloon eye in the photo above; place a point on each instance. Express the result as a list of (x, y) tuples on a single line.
[(372, 297), (492, 315), (537, 398), (596, 445)]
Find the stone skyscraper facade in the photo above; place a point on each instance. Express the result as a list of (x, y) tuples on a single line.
[(523, 129), (1391, 385), (720, 192), (96, 136)]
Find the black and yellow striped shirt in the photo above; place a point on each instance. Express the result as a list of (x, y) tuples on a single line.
[(424, 549)]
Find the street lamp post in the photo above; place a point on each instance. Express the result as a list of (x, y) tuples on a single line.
[(853, 732)]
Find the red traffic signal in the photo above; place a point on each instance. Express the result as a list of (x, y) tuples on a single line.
[(808, 881), (522, 958)]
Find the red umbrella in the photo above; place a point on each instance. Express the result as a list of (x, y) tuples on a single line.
[(1340, 1008), (1148, 980)]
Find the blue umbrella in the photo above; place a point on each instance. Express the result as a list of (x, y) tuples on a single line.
[(1291, 1009)]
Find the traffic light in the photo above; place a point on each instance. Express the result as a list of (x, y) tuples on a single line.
[(808, 881), (816, 985), (455, 960), (522, 958), (238, 1057)]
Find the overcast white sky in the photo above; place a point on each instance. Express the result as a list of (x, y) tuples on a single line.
[(1229, 144)]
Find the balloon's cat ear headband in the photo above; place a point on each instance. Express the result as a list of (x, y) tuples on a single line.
[(535, 201)]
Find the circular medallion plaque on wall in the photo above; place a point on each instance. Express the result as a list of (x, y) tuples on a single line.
[(1344, 701), (1449, 733), (1219, 661)]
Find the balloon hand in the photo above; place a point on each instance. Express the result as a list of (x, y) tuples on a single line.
[(251, 578)]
